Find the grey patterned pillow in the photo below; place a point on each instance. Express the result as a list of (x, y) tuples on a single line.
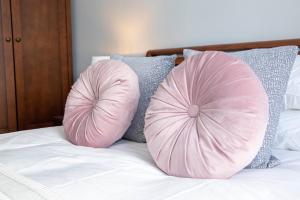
[(151, 71), (273, 67)]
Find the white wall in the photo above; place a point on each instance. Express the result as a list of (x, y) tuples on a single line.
[(103, 27)]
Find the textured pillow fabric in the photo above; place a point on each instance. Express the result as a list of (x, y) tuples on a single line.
[(273, 67), (101, 104), (208, 118), (151, 71), (292, 96)]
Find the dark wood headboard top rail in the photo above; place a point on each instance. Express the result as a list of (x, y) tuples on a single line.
[(225, 47)]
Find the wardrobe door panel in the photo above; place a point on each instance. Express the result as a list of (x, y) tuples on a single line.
[(41, 60), (7, 87)]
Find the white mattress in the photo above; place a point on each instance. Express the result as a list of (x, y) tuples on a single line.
[(126, 171)]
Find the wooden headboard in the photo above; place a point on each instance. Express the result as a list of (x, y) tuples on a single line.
[(224, 47)]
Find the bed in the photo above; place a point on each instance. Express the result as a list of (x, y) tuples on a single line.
[(126, 171), (42, 164)]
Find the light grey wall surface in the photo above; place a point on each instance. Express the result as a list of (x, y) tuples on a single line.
[(131, 27)]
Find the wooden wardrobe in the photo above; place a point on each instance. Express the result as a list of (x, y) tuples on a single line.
[(35, 62)]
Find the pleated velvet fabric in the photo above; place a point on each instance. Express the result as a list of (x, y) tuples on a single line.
[(101, 104), (208, 118)]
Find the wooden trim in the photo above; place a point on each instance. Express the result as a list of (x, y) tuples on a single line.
[(18, 57), (69, 40), (8, 66), (67, 59), (224, 47), (65, 46)]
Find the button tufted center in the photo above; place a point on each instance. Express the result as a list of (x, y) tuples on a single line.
[(193, 111), (95, 101)]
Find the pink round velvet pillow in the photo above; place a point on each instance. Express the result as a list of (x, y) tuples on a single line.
[(208, 117), (101, 104)]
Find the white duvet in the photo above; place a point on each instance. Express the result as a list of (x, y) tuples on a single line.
[(14, 187), (126, 171)]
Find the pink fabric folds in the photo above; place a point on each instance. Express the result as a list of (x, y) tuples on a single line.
[(101, 104), (208, 117)]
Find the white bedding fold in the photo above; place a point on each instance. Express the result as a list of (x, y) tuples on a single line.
[(16, 187)]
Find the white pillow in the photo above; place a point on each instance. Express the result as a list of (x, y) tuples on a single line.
[(288, 131), (292, 96), (98, 58)]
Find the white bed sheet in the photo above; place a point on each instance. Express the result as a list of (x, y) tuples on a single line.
[(126, 171)]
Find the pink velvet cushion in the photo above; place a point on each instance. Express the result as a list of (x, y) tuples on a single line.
[(208, 118), (101, 104)]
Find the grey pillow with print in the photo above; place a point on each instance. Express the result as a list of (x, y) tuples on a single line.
[(273, 67), (151, 71)]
